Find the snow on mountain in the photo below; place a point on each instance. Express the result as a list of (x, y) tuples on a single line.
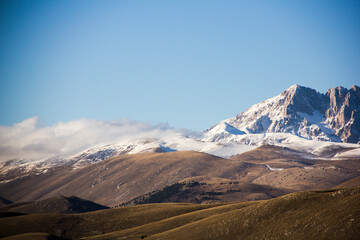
[(319, 125), (168, 143), (173, 143), (300, 111)]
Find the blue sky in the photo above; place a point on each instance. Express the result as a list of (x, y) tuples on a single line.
[(186, 63)]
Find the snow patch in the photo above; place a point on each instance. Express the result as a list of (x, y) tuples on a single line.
[(274, 169)]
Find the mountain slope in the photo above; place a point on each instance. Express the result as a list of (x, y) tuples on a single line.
[(120, 179), (334, 116)]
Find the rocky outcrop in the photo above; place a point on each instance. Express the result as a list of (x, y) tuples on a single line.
[(343, 113), (303, 99)]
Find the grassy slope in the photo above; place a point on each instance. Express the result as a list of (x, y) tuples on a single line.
[(93, 223), (331, 214), (171, 223), (304, 215)]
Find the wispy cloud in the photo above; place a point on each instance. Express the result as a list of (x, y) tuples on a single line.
[(31, 139)]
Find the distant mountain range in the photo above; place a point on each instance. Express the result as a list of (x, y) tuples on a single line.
[(300, 118), (280, 145)]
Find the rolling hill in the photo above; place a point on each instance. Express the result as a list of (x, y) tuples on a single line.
[(327, 214), (120, 179)]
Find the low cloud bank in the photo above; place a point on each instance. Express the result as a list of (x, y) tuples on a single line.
[(30, 139)]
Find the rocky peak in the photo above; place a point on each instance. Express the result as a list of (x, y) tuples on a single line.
[(336, 97), (303, 99), (334, 116)]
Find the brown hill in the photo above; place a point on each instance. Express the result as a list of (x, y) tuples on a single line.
[(330, 214), (304, 215), (70, 226), (57, 204), (120, 179), (209, 190), (287, 168)]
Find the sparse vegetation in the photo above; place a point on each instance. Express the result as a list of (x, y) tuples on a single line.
[(93, 223), (220, 185), (325, 214)]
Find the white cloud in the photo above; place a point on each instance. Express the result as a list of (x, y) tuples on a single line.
[(30, 139)]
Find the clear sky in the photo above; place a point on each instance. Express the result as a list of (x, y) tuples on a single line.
[(186, 63)]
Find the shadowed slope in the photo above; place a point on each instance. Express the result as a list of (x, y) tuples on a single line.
[(32, 236), (4, 202), (93, 223), (58, 204)]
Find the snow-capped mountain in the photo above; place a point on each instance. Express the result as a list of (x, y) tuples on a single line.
[(299, 118), (98, 153), (300, 111)]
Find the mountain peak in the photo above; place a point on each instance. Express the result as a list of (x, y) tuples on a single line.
[(301, 111), (295, 87)]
